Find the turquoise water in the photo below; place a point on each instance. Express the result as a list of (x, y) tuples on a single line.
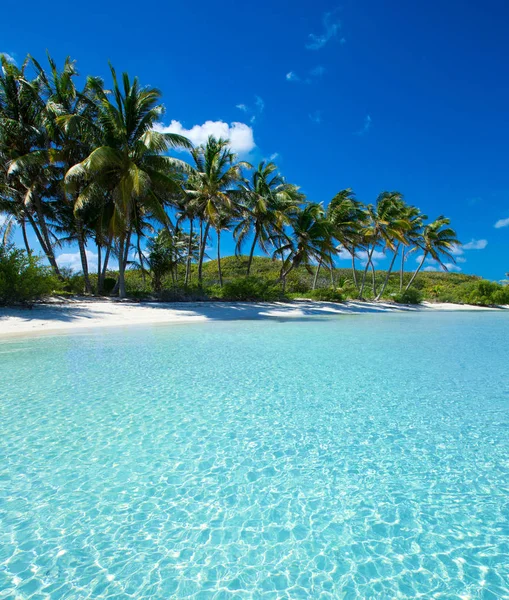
[(355, 457)]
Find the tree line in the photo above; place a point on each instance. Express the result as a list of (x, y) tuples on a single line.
[(88, 166)]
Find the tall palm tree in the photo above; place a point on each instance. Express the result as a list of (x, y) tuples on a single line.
[(412, 237), (210, 186), (310, 240), (268, 202), (21, 133), (437, 241), (385, 225), (411, 232), (346, 215), (130, 164)]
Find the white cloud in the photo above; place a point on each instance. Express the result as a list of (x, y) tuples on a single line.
[(456, 250), (8, 57), (72, 260), (274, 156), (433, 265), (312, 76), (259, 107), (475, 245), (331, 26), (502, 223), (460, 259), (366, 126), (375, 257), (240, 135)]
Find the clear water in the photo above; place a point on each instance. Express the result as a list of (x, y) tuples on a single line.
[(354, 457)]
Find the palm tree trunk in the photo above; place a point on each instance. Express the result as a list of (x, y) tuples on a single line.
[(83, 255), (354, 272), (331, 270), (370, 254), (416, 271), (121, 268), (219, 258), (373, 278), (45, 234), (42, 242), (202, 251), (189, 253), (140, 256), (318, 267), (100, 282), (386, 281), (99, 252), (25, 237), (402, 269), (250, 260)]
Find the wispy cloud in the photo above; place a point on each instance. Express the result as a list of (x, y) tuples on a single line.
[(254, 111), (502, 223), (274, 156), (366, 126), (313, 74), (316, 117), (331, 26), (240, 134), (475, 245), (434, 265)]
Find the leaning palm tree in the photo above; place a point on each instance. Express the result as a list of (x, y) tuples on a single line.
[(346, 215), (268, 202), (411, 233), (437, 241), (412, 237), (129, 165), (21, 133), (386, 226), (210, 186), (310, 240)]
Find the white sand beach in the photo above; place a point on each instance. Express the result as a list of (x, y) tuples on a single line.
[(79, 313)]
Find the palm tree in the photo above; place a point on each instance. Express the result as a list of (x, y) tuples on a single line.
[(385, 225), (412, 237), (21, 133), (210, 186), (309, 240), (67, 116), (267, 204), (129, 164), (411, 232), (345, 214), (437, 241)]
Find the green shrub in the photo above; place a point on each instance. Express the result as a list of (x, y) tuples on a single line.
[(248, 288), (108, 285), (325, 295), (22, 277), (411, 296)]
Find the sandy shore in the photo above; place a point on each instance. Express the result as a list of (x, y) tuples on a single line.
[(79, 313)]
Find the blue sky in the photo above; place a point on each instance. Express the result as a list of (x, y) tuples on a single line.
[(369, 94)]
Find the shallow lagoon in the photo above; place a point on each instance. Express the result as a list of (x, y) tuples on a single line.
[(352, 457)]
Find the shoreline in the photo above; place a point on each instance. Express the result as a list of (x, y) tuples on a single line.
[(71, 315)]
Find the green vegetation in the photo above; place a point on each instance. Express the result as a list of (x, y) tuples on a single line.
[(88, 166), (22, 278)]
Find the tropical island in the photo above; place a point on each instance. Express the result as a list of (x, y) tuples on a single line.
[(89, 166)]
